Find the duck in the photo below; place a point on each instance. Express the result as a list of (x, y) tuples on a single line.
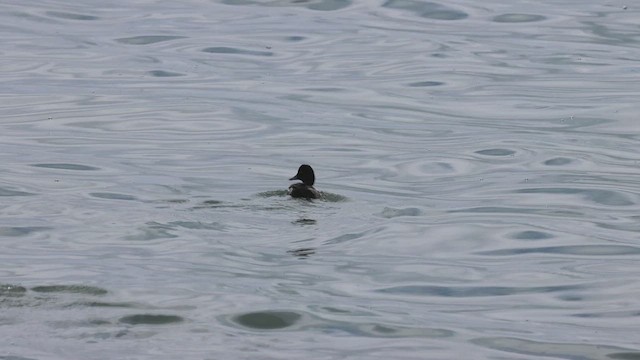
[(304, 189)]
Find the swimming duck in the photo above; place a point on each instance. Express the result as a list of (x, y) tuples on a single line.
[(304, 189)]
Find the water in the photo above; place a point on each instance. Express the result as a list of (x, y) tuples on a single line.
[(480, 162)]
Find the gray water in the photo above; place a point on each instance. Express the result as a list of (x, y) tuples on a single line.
[(479, 160)]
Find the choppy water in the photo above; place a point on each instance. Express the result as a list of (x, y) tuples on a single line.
[(480, 161)]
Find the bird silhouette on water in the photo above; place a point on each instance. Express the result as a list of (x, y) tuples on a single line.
[(305, 188)]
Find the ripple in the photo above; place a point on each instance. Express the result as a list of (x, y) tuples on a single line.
[(514, 210), (305, 221), (549, 349), (635, 355), (153, 231), (321, 5), (102, 304), (609, 315), (230, 50), (603, 197), (268, 320), (295, 38), (472, 291), (71, 16), (302, 252), (11, 290), (326, 90), (7, 192), (325, 196), (14, 357), (213, 204), (558, 161), (163, 73), (425, 83), (196, 225), (332, 197), (273, 193), (518, 18), (64, 166), (531, 235), (394, 331), (70, 289), (581, 250), (112, 196), (348, 237), (172, 201), (428, 114), (147, 39), (419, 169), (391, 212), (496, 152), (151, 319), (17, 231), (426, 9)]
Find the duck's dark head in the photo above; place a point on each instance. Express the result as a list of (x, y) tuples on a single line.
[(305, 174)]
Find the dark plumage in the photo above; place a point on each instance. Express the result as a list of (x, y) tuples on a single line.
[(304, 189)]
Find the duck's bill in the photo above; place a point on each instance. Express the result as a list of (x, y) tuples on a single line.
[(294, 178)]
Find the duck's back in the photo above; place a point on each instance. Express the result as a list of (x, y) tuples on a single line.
[(301, 190)]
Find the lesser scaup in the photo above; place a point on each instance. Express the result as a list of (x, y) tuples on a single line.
[(304, 189)]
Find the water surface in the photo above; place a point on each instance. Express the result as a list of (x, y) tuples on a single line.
[(479, 162)]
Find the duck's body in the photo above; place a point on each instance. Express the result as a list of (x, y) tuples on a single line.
[(304, 189), (301, 190)]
